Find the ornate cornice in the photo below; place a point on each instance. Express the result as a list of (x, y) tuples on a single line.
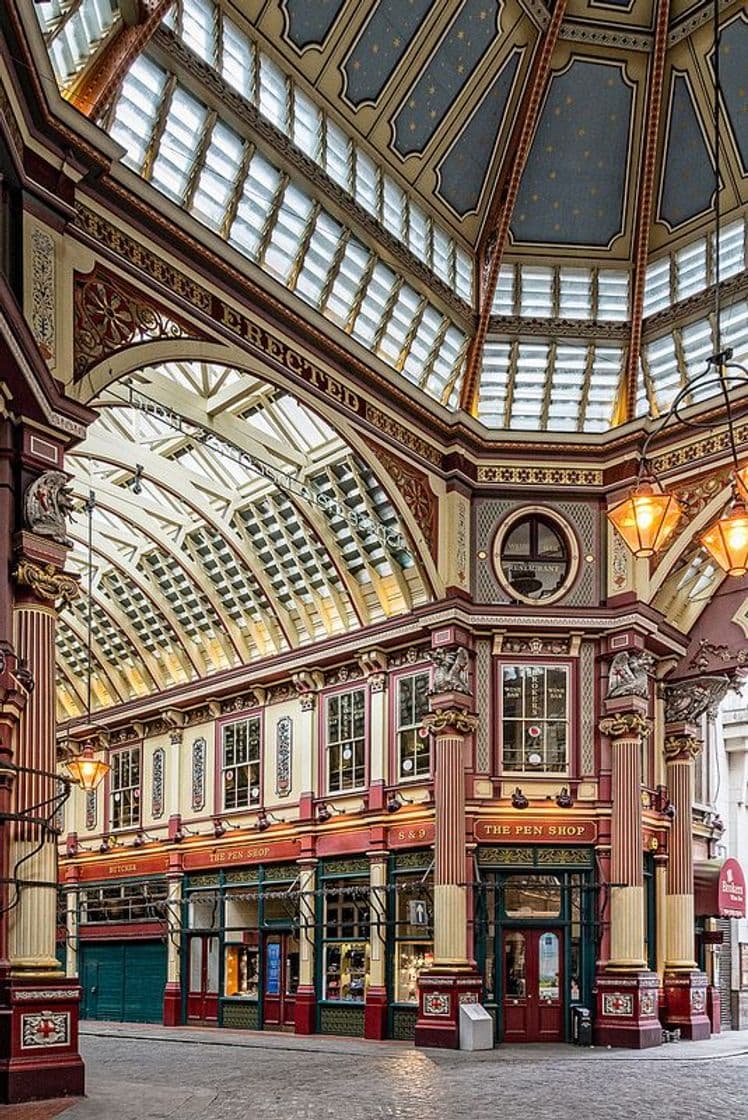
[(47, 582), (450, 721), (681, 747), (543, 476), (625, 725)]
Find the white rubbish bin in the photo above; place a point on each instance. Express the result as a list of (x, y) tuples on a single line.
[(476, 1027)]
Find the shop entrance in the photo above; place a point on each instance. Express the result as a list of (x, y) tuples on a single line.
[(202, 991), (281, 978), (533, 984)]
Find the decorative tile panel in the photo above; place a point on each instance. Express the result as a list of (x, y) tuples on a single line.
[(283, 756), (620, 1004), (648, 1004), (437, 1003), (157, 783), (199, 753), (45, 1028)]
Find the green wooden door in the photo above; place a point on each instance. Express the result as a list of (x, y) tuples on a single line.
[(123, 981)]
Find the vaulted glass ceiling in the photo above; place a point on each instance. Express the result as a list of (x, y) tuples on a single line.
[(358, 153), (229, 523)]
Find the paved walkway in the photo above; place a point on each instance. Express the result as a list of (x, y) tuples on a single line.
[(143, 1072)]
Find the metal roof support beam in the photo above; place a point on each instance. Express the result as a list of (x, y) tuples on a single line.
[(101, 79), (644, 204), (491, 249)]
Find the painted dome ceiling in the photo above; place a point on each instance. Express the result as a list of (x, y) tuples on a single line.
[(374, 157)]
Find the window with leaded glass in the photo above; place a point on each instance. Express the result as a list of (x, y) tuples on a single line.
[(240, 763), (345, 743), (124, 788), (413, 749), (535, 718)]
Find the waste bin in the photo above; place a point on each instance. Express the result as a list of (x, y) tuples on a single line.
[(581, 1026)]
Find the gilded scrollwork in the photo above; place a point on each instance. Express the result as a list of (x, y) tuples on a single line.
[(679, 747), (47, 582), (625, 725), (450, 720)]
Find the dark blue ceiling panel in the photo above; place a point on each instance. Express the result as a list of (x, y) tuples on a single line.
[(733, 67), (573, 186), (383, 42), (688, 179), (308, 22), (470, 35), (463, 170)]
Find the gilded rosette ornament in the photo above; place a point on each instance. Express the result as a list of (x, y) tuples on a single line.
[(47, 582), (450, 721), (625, 725)]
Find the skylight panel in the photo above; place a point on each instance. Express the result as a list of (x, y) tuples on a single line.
[(179, 144), (237, 59), (446, 361), (418, 355), (567, 387), (613, 294), (395, 208), (273, 102), (399, 324), (199, 28), (503, 299), (604, 384), (494, 383), (732, 244), (315, 269), (349, 277), (418, 232), (663, 368), (657, 286), (529, 385), (463, 274), (690, 269), (374, 304), (137, 109), (307, 129), (698, 345), (536, 298), (366, 191), (218, 176), (338, 155), (74, 31), (575, 293), (442, 257), (288, 231), (254, 205), (734, 330)]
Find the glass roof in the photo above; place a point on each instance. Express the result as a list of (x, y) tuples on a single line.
[(234, 525)]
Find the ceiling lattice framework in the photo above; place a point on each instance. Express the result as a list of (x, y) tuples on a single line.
[(205, 555), (358, 154)]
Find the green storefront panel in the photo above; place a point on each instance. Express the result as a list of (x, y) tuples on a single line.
[(123, 981)]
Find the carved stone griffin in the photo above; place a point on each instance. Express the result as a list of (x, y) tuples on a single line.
[(451, 672), (629, 674), (687, 701), (47, 504)]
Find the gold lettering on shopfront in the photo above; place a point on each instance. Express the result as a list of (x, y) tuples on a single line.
[(238, 855), (122, 868)]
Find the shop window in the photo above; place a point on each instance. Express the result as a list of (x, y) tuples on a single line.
[(414, 946), (414, 749), (127, 902), (535, 718), (204, 911), (346, 942), (124, 789), (242, 971), (240, 763), (242, 945), (345, 741), (538, 896)]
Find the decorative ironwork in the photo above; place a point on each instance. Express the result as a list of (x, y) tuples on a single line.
[(157, 783), (199, 753)]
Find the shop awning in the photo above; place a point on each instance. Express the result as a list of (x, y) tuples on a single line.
[(719, 889)]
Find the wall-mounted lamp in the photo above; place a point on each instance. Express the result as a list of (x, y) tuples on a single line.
[(564, 800), (396, 801), (142, 838), (221, 827), (107, 844), (519, 801), (326, 811), (265, 820)]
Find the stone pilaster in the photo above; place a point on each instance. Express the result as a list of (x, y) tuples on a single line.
[(173, 989), (627, 992), (453, 978), (374, 665), (685, 986), (305, 1013), (375, 1015)]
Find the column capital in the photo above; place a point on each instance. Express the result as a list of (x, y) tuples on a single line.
[(456, 720), (680, 748), (48, 583), (625, 725)]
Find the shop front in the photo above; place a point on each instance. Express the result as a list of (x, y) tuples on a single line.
[(535, 938)]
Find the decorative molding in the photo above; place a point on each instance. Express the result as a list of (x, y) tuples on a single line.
[(543, 476), (253, 699), (110, 315), (520, 326), (283, 756), (598, 36), (620, 560), (48, 583), (344, 674), (625, 725), (402, 435), (681, 747), (415, 488), (708, 652), (45, 1028), (157, 782), (437, 1003), (199, 757), (534, 645), (618, 1004), (449, 721), (483, 691), (47, 993), (452, 670), (686, 455), (43, 292)]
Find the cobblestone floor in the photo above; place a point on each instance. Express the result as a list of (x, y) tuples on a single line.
[(156, 1074)]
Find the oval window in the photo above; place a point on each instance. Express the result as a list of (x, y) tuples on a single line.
[(534, 557)]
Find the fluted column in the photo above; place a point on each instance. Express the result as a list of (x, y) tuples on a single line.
[(174, 896), (626, 732), (33, 921), (450, 726), (375, 1016), (305, 1011), (680, 751)]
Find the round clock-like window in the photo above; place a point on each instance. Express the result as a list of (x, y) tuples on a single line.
[(535, 556)]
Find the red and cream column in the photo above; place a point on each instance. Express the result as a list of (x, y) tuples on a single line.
[(627, 992), (375, 1012), (453, 978), (40, 1050), (685, 986), (305, 1009), (174, 923)]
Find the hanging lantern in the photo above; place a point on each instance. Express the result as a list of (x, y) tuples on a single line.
[(646, 518), (727, 541), (85, 770)]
